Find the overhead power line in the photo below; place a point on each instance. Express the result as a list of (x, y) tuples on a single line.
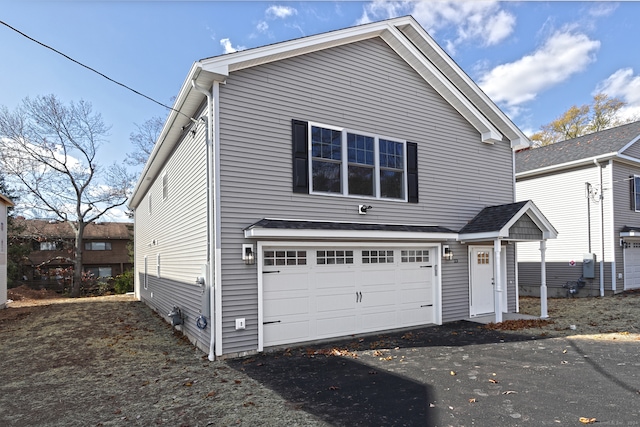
[(93, 69)]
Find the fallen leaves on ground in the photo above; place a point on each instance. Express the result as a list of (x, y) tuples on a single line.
[(585, 420), (515, 325)]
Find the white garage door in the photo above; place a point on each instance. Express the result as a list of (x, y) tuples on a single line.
[(314, 293), (632, 266)]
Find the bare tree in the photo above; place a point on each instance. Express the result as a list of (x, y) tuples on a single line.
[(144, 139), (48, 154)]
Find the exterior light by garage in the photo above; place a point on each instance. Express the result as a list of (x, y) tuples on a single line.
[(248, 255), (447, 253)]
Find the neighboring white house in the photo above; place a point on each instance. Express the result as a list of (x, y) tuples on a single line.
[(343, 183), (4, 204), (589, 188)]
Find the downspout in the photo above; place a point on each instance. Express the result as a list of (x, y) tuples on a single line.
[(601, 229), (212, 273)]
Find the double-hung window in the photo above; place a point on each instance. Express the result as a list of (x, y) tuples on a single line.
[(354, 163)]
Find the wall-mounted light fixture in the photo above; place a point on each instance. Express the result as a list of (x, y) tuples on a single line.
[(447, 253), (248, 256), (362, 209)]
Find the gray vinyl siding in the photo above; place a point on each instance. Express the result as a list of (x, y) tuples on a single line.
[(176, 230), (558, 273), (562, 198), (633, 151), (624, 214), (362, 86)]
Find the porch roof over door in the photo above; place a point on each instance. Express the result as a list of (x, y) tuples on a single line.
[(519, 222)]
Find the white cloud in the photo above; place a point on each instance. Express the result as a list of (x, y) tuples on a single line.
[(281, 12), (262, 26), (625, 85), (483, 21), (563, 54), (601, 9), (228, 46)]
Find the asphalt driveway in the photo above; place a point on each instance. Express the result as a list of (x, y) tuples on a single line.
[(459, 375)]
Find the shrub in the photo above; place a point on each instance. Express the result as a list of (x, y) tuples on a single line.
[(124, 282)]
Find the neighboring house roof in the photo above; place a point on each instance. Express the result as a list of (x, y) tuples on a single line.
[(4, 199), (495, 221), (572, 152), (404, 35), (62, 230)]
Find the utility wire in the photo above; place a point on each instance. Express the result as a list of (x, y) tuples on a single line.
[(94, 70)]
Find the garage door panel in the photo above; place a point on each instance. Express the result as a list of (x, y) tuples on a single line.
[(373, 277), (375, 321), (294, 281), (336, 326), (326, 280), (335, 302), (288, 332), (417, 316), (632, 266), (278, 308)]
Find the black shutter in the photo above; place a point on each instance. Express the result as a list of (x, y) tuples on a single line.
[(299, 137), (412, 172), (632, 187)]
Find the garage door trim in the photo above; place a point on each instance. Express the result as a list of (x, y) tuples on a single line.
[(437, 282)]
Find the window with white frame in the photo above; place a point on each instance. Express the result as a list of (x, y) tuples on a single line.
[(355, 163)]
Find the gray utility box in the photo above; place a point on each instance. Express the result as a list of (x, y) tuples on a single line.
[(589, 266)]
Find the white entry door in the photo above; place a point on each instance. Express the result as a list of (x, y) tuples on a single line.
[(481, 295)]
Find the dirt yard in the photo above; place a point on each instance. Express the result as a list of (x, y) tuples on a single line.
[(111, 361)]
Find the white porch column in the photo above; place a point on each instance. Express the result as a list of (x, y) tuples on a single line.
[(497, 274), (543, 280)]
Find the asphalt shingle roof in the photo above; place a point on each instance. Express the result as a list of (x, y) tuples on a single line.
[(584, 147), (321, 225), (493, 218)]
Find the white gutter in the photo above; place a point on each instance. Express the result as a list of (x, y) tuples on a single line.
[(213, 231), (573, 163)]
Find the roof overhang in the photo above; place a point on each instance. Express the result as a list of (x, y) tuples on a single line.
[(588, 161), (404, 35), (7, 201), (283, 229)]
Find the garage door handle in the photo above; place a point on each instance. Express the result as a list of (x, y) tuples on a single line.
[(267, 272), (426, 305), (358, 296), (426, 266), (274, 321)]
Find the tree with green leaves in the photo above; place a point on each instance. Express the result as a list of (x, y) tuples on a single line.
[(601, 114), (49, 155)]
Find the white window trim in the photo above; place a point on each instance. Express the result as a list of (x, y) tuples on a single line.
[(344, 164)]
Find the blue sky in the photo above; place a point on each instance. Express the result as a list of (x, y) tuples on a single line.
[(534, 59)]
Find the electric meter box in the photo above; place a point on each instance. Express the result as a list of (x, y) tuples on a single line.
[(589, 266)]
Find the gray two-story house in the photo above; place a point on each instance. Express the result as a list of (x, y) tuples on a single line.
[(337, 184)]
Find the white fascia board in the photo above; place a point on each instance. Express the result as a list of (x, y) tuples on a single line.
[(416, 59), (628, 159), (518, 139), (629, 234), (471, 237), (567, 165), (301, 234)]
